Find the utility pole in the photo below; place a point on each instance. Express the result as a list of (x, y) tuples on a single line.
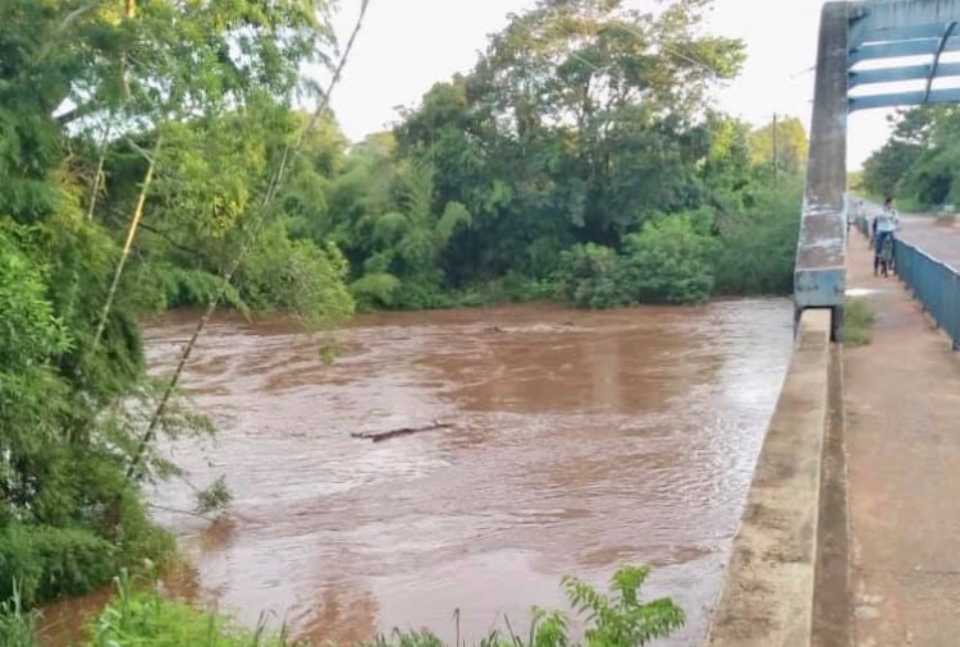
[(776, 152)]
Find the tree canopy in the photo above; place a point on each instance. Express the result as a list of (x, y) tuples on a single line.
[(919, 162)]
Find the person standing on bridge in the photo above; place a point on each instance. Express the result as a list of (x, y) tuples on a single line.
[(883, 227)]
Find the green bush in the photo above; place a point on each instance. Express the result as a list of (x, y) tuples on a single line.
[(145, 619), (592, 276), (48, 563), (670, 261), (69, 516), (757, 248), (375, 290), (162, 286), (416, 293), (297, 277), (514, 287)]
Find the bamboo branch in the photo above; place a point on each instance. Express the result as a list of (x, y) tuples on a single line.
[(131, 234), (129, 12), (100, 162), (170, 241), (272, 189)]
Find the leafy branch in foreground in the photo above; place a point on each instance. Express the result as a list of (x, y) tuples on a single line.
[(615, 619)]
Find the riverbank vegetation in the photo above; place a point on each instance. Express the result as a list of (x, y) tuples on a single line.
[(918, 165), (139, 616), (151, 157)]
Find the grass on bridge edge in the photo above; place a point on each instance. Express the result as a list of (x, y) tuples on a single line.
[(858, 320)]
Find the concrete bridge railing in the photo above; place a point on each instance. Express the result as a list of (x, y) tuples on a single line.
[(767, 599)]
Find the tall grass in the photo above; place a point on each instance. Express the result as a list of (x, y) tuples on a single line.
[(17, 625)]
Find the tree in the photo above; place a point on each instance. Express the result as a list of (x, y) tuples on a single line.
[(87, 90), (790, 139), (580, 121), (919, 160)]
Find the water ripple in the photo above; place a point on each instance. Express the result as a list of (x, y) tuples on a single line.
[(580, 441)]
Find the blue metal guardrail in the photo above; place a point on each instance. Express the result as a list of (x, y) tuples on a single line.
[(933, 283)]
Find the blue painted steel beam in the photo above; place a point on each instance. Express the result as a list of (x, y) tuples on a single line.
[(936, 59), (903, 73), (894, 99), (919, 47), (869, 19), (898, 33)]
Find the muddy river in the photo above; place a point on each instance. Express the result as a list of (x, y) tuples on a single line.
[(579, 441)]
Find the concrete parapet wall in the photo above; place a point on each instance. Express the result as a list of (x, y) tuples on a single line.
[(767, 597)]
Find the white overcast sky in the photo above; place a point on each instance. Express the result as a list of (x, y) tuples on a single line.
[(407, 45)]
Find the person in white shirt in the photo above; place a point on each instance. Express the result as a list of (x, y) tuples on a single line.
[(884, 225)]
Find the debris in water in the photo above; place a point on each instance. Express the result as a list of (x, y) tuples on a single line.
[(379, 436)]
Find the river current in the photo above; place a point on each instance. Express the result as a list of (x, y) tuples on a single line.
[(578, 441)]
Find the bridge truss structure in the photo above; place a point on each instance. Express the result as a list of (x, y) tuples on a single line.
[(862, 44)]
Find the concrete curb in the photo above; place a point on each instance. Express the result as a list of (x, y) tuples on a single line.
[(832, 626), (767, 598)]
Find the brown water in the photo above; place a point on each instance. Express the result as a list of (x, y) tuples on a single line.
[(581, 441)]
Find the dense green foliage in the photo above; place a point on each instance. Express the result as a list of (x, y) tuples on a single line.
[(920, 163), (143, 618), (73, 395), (146, 146), (574, 160), (577, 153)]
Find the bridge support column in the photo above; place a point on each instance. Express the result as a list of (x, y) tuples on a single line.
[(820, 274), (836, 321)]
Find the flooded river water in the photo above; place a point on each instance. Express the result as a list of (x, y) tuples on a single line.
[(580, 441)]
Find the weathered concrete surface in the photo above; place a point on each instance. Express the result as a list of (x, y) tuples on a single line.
[(767, 596), (902, 398), (819, 279), (831, 596)]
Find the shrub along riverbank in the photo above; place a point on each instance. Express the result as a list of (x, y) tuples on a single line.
[(141, 617), (146, 164)]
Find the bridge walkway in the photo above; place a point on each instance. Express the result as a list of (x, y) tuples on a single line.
[(902, 401)]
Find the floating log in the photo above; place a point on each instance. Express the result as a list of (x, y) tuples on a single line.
[(380, 436)]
